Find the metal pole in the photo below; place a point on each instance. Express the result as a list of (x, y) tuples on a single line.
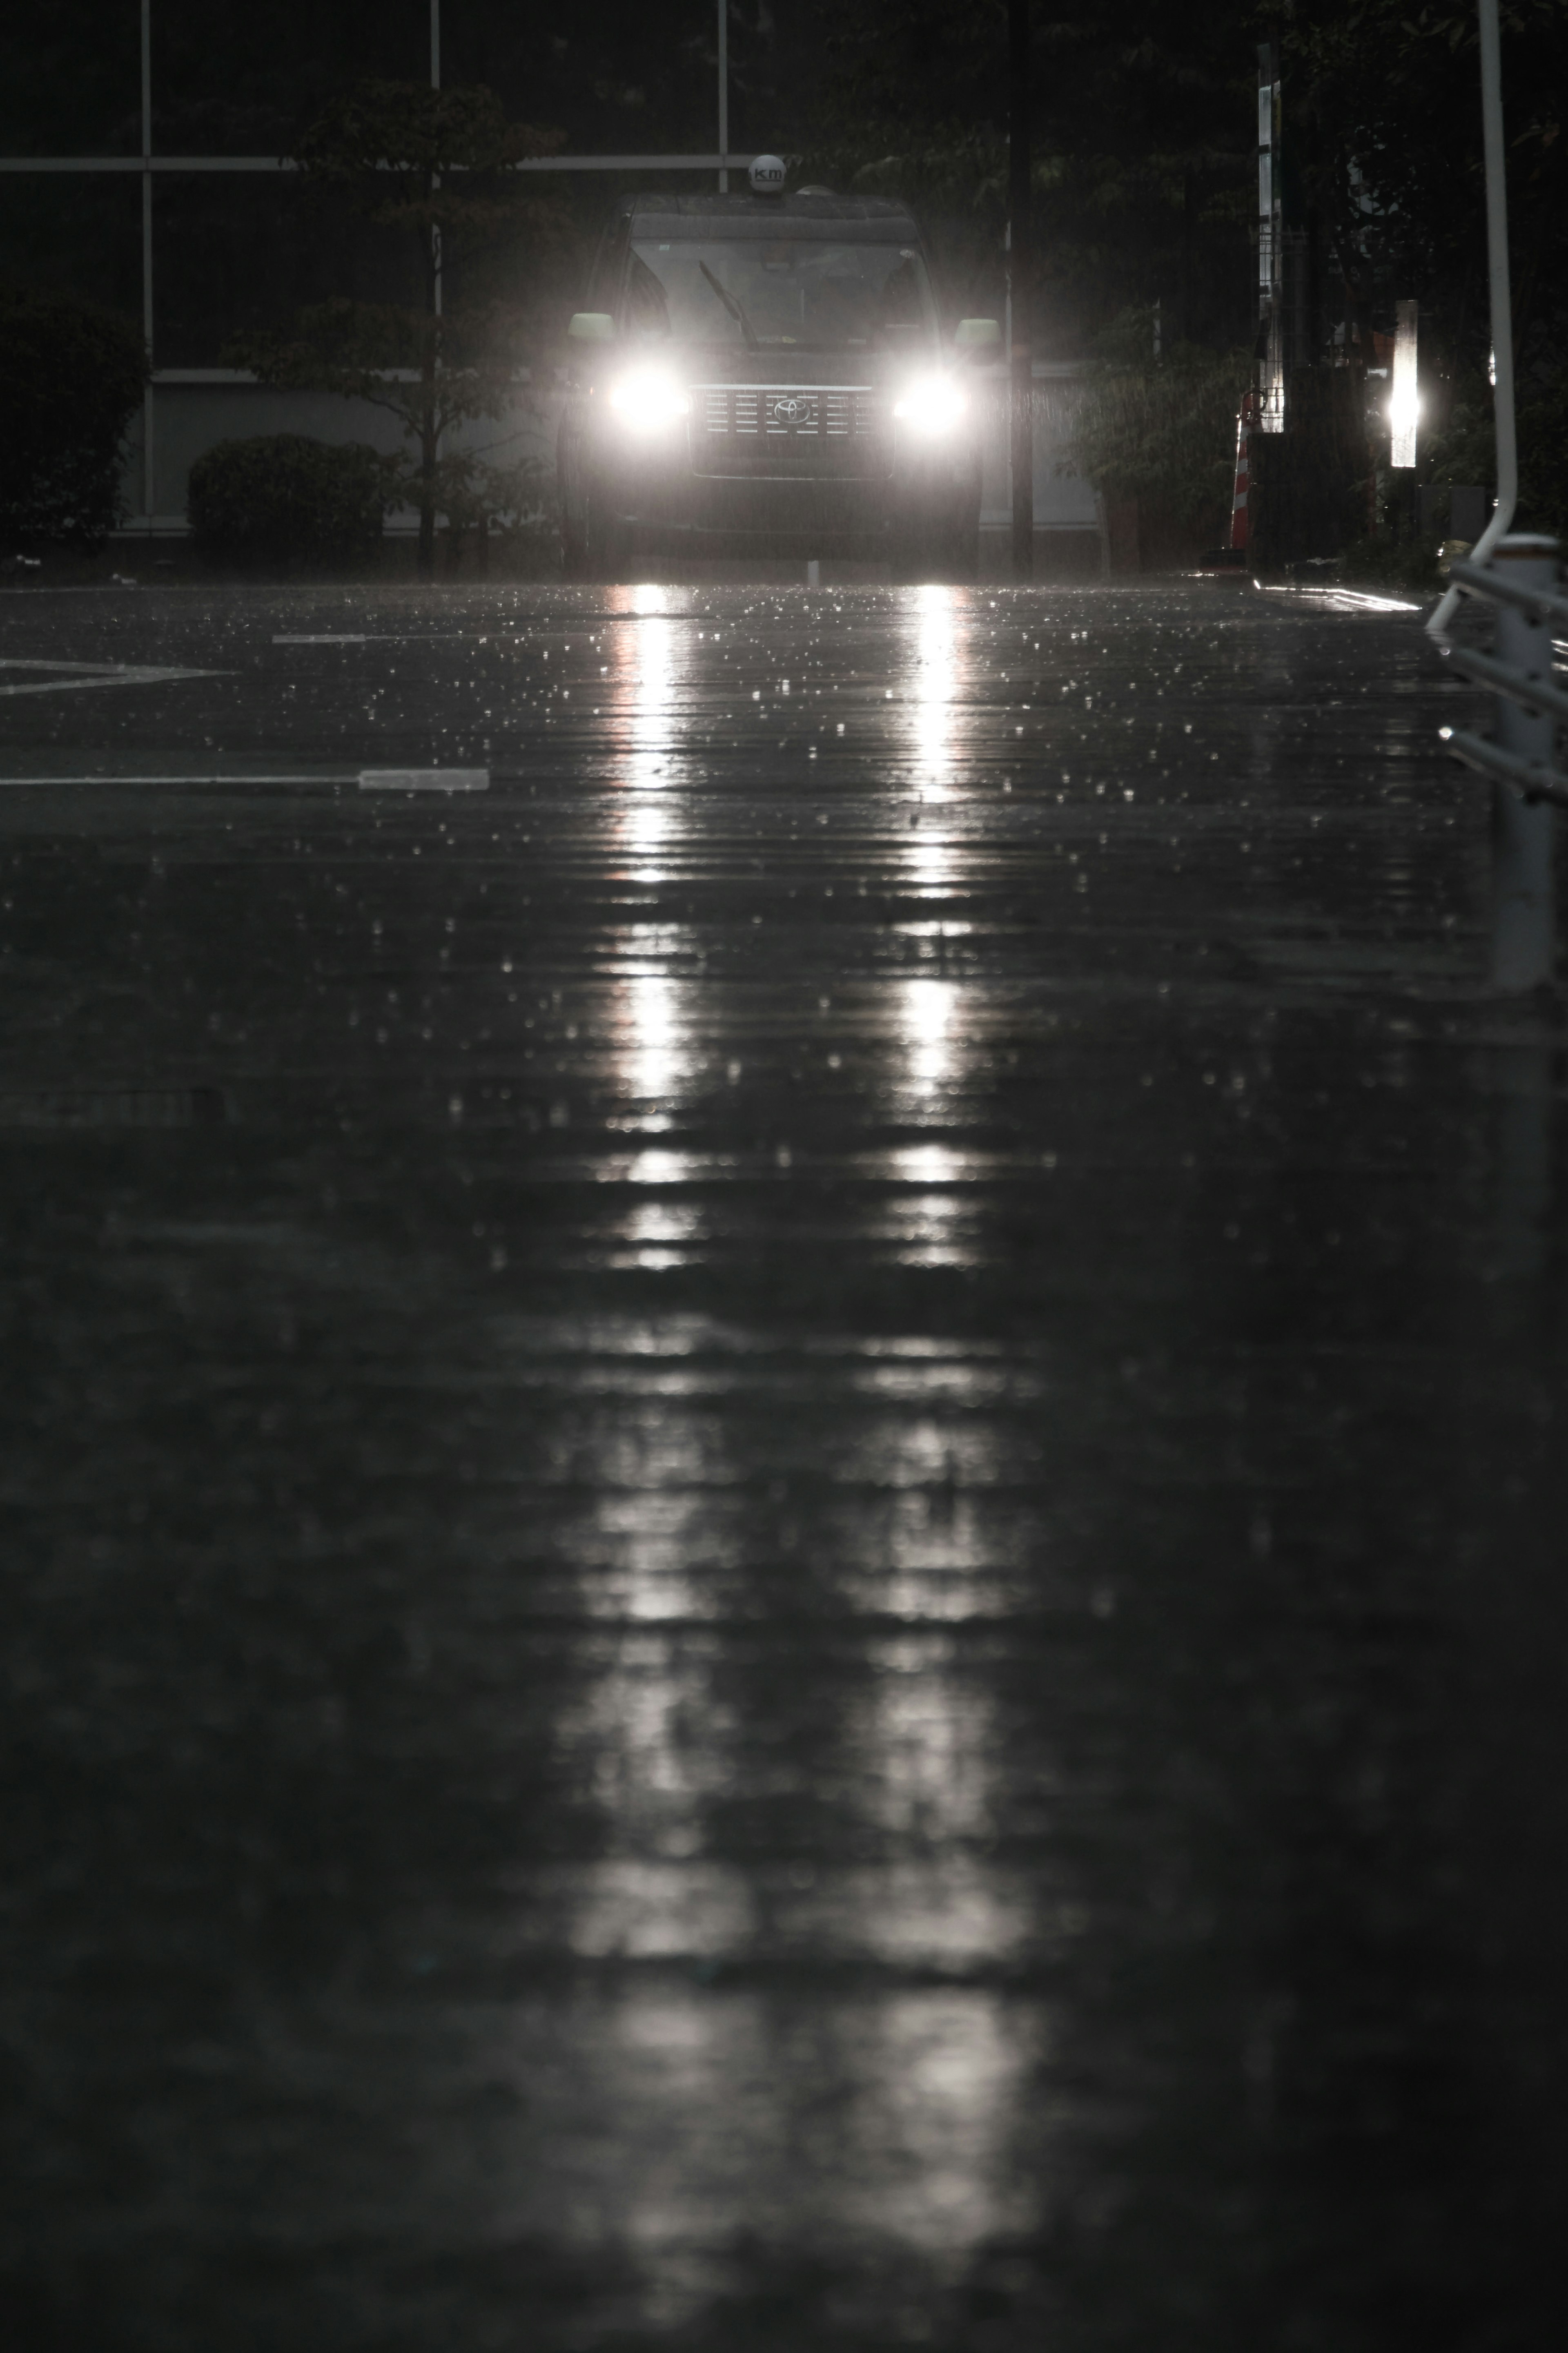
[(1270, 242), (436, 178), (723, 95), (147, 452), (1503, 307), (1522, 945), (1022, 244)]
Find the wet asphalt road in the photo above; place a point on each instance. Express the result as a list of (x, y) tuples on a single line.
[(785, 1559)]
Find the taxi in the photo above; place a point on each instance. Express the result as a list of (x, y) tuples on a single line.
[(766, 374)]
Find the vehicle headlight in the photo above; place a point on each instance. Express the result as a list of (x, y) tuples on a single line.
[(647, 399), (932, 406)]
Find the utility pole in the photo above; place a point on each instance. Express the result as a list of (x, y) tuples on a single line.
[(148, 451), (436, 178), (1021, 275), (1270, 243)]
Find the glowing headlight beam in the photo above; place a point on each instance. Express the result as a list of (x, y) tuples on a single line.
[(646, 400), (932, 406)]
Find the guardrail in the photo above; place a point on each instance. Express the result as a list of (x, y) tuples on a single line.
[(1518, 576), (1521, 583), (1520, 671)]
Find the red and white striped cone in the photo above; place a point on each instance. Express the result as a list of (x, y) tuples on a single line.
[(1245, 423)]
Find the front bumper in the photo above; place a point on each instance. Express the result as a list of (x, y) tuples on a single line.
[(816, 518), (657, 491)]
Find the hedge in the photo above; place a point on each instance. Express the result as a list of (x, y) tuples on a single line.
[(70, 382), (279, 497)]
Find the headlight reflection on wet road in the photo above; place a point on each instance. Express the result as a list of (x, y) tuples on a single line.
[(930, 1029), (935, 679), (647, 652), (650, 1037), (646, 655), (788, 1536)]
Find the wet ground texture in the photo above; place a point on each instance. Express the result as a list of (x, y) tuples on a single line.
[(785, 1504)]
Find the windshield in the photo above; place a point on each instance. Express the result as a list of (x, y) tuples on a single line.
[(791, 290)]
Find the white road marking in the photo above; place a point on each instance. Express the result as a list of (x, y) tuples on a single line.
[(424, 780), (295, 778), (86, 673)]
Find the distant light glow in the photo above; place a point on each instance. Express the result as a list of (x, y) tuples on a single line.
[(1403, 414), (1404, 400)]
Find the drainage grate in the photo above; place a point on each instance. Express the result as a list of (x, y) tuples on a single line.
[(80, 1107)]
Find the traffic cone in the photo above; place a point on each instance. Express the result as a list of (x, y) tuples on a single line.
[(1245, 423)]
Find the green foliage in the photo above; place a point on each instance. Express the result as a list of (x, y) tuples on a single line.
[(1466, 450), (283, 496), (1145, 180), (1160, 432), (436, 165), (475, 491), (412, 157), (1143, 149), (1543, 455), (432, 370), (70, 381), (1382, 116)]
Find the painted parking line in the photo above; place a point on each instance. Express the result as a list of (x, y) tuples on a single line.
[(294, 776), (424, 780), (80, 674)]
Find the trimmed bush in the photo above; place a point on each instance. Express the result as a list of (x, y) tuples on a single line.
[(282, 497), (1161, 431), (1465, 450), (70, 382)]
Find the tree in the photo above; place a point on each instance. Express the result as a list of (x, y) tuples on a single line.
[(1143, 147), (436, 167), (70, 385), (1145, 190), (1382, 103)]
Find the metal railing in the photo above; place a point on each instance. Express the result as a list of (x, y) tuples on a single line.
[(1531, 705), (1519, 576), (1518, 759)]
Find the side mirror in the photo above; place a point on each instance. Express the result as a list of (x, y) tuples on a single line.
[(977, 339), (591, 327)]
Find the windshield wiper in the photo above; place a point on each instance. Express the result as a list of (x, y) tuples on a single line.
[(735, 309)]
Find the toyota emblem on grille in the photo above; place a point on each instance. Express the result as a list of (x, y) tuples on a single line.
[(790, 409)]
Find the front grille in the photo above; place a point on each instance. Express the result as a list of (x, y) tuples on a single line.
[(789, 412), (788, 428)]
